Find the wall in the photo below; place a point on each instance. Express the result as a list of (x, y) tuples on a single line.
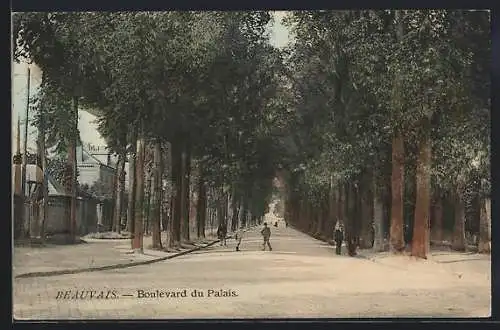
[(57, 213), (57, 217), (107, 177), (88, 173), (91, 173), (18, 216)]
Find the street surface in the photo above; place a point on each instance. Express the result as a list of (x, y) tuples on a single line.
[(301, 277)]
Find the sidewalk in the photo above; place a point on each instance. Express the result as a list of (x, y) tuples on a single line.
[(468, 267), (93, 255)]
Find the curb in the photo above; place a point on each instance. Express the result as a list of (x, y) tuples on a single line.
[(109, 267), (115, 266)]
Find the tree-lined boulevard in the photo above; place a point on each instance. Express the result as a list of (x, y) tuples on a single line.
[(301, 277), (378, 120)]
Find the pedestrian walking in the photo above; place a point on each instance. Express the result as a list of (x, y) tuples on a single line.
[(338, 237), (222, 233), (266, 234), (239, 237)]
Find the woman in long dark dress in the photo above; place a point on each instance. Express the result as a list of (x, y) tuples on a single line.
[(338, 237)]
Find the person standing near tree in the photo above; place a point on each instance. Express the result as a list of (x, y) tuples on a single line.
[(338, 237), (239, 237), (221, 233), (266, 234)]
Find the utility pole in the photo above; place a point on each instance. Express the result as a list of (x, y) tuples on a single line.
[(25, 151)]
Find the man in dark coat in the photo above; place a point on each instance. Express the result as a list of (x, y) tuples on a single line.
[(338, 237), (222, 233), (266, 234)]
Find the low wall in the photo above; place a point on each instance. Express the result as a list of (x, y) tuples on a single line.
[(18, 216), (58, 213), (26, 218)]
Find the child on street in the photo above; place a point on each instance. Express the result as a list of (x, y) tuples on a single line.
[(266, 234), (239, 237)]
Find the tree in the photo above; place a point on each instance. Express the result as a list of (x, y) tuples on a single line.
[(61, 45), (387, 77)]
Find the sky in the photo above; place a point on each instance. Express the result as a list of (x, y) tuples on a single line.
[(279, 33), (279, 37)]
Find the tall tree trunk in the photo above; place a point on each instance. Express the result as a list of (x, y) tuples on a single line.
[(287, 209), (131, 185), (184, 193), (201, 211), (341, 204), (165, 211), (304, 217), (320, 215), (171, 210), (437, 219), (356, 214), (157, 195), (378, 217), (71, 191), (397, 242), (137, 241), (302, 220), (175, 229), (220, 206), (193, 200), (226, 207), (187, 192), (310, 217), (45, 186), (420, 243), (147, 209), (350, 232), (165, 202), (333, 211), (113, 188), (72, 162), (485, 226), (313, 220), (211, 212), (397, 182), (301, 213), (234, 216), (458, 243), (365, 241), (119, 193), (325, 216), (319, 218), (40, 202), (244, 211)]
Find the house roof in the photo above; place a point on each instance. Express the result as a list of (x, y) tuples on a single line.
[(35, 174), (88, 158)]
